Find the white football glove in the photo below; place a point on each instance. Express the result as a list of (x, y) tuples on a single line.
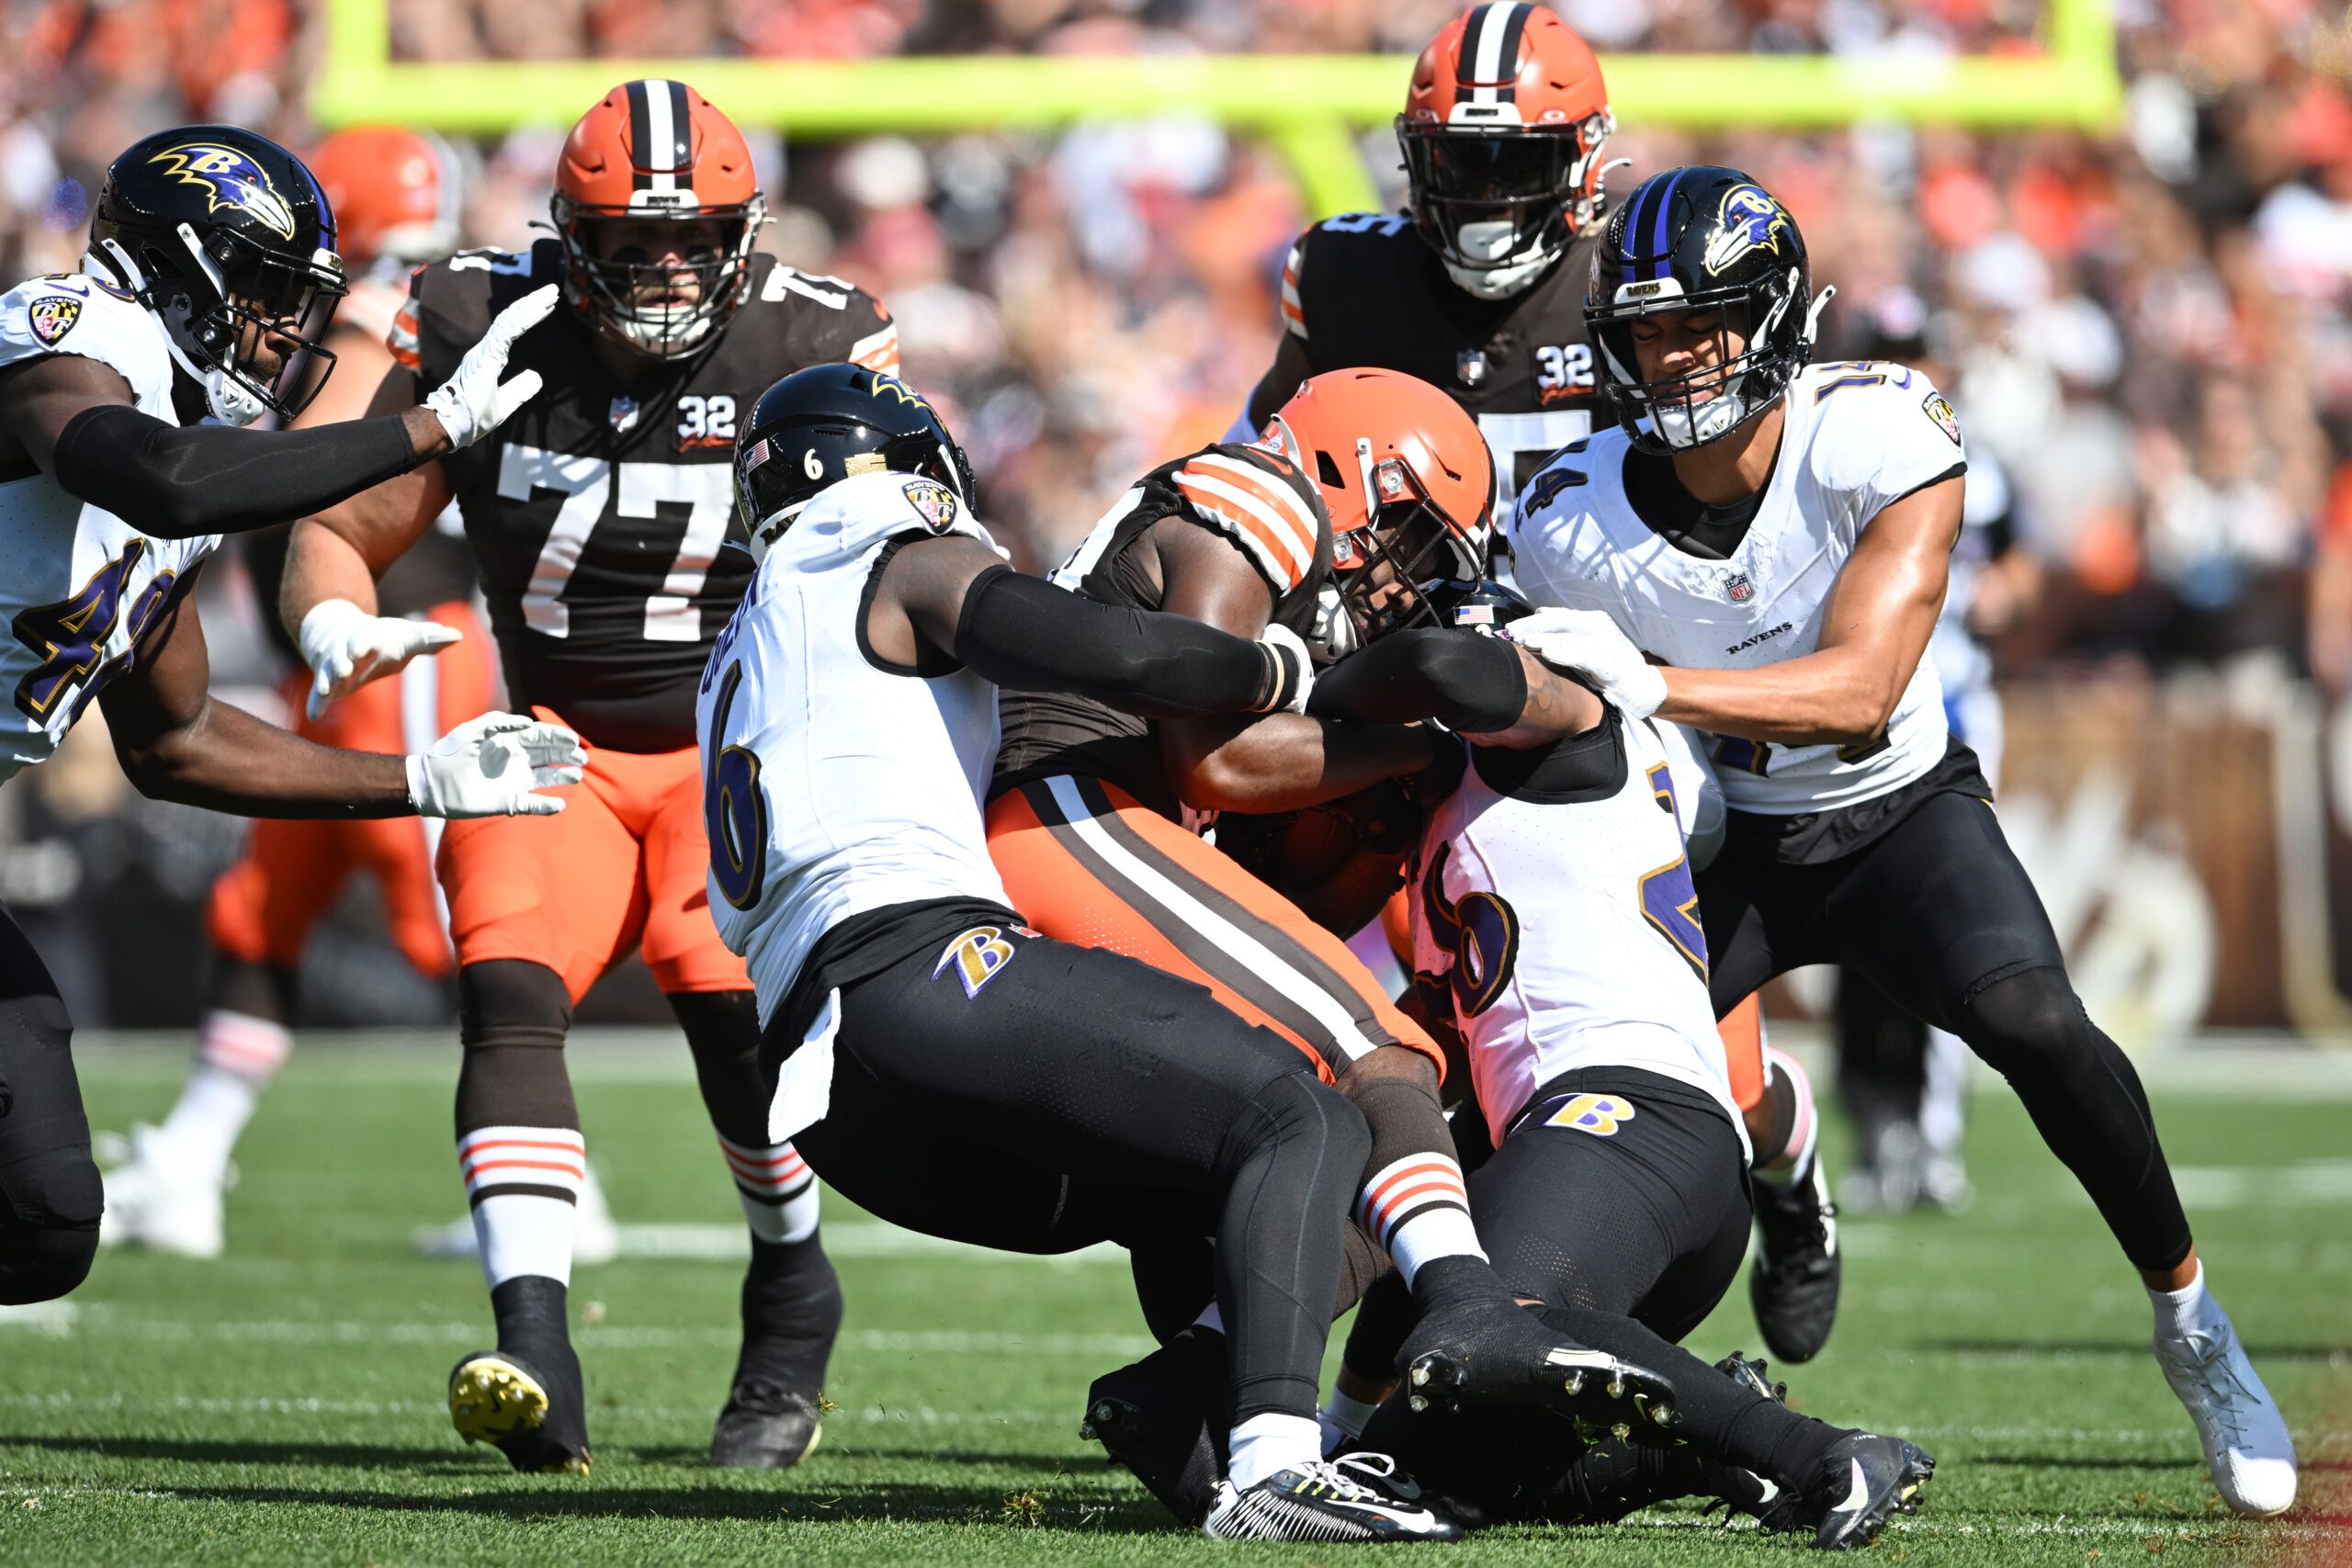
[(473, 402), (1295, 670), (1589, 642), (346, 648), (489, 766)]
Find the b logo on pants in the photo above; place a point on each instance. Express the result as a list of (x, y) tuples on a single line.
[(978, 955), (1599, 1114)]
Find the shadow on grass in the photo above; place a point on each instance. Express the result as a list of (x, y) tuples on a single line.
[(689, 1457), (437, 1460), (2132, 1348), (1039, 1508), (2047, 1461)]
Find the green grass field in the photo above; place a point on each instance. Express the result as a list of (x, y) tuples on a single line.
[(284, 1404)]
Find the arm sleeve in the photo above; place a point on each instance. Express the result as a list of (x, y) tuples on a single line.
[(1471, 684), (182, 483), (1026, 635)]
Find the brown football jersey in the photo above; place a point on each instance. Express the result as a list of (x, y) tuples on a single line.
[(597, 512), (1250, 495), (1363, 289)]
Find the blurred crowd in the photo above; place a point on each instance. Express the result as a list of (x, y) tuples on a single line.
[(2150, 331)]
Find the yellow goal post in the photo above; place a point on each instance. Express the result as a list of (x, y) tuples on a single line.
[(1307, 106)]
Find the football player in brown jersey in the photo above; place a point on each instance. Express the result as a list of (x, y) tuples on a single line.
[(1366, 484), (597, 523), (1479, 288)]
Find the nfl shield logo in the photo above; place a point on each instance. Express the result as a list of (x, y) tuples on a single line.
[(1470, 368), (623, 415), (52, 316), (1739, 589)]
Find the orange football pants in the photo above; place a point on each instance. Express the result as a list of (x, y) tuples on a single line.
[(620, 869), (263, 909), (1085, 862)]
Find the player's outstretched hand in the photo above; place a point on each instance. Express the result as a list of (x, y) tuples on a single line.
[(473, 402), (1290, 676), (1587, 641), (346, 648), (490, 766)]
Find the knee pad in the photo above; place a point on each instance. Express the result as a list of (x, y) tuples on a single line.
[(2031, 1016), (40, 1263)]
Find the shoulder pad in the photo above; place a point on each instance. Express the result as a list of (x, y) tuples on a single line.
[(1260, 501), (849, 517), (74, 313), (843, 321), (1881, 428)]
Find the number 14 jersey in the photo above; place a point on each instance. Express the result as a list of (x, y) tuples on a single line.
[(598, 510)]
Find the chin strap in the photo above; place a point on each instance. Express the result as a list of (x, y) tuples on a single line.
[(1813, 311)]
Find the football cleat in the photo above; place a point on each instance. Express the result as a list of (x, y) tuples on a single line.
[(792, 1311), (1490, 1354), (594, 1237), (497, 1397), (1163, 1418), (2245, 1440), (1356, 1498), (764, 1427), (1864, 1481), (1793, 1285), (151, 1202)]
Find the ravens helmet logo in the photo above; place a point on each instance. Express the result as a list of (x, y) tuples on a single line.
[(1749, 220), (898, 389), (229, 178)]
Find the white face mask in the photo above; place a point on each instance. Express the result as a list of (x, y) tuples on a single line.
[(1507, 274)]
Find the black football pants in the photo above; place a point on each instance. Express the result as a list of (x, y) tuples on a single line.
[(50, 1196), (1074, 1095), (1937, 913)]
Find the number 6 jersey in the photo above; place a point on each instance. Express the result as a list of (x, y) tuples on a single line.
[(1555, 920), (77, 583), (597, 512)]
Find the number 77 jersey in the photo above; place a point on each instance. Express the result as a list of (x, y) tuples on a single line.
[(1555, 920), (597, 513)]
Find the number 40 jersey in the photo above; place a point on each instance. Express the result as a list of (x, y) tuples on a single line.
[(1555, 920), (597, 512), (78, 584)]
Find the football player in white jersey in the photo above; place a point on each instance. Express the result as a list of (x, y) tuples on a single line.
[(211, 274), (1557, 935), (935, 1061), (1777, 536)]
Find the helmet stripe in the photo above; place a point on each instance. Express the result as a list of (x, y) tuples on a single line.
[(1660, 263), (1494, 57), (640, 144), (661, 136)]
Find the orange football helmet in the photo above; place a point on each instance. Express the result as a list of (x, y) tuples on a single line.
[(656, 150), (397, 194), (1502, 133), (1409, 482)]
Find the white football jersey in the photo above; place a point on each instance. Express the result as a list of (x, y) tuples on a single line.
[(833, 785), (1858, 436), (77, 584), (1567, 929)]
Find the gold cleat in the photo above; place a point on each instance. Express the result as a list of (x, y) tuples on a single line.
[(493, 1399)]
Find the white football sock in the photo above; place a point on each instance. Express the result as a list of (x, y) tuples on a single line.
[(1417, 1210), (778, 1189), (237, 1056), (1342, 1420), (523, 1184), (2182, 1312), (1796, 1163), (1265, 1444)]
